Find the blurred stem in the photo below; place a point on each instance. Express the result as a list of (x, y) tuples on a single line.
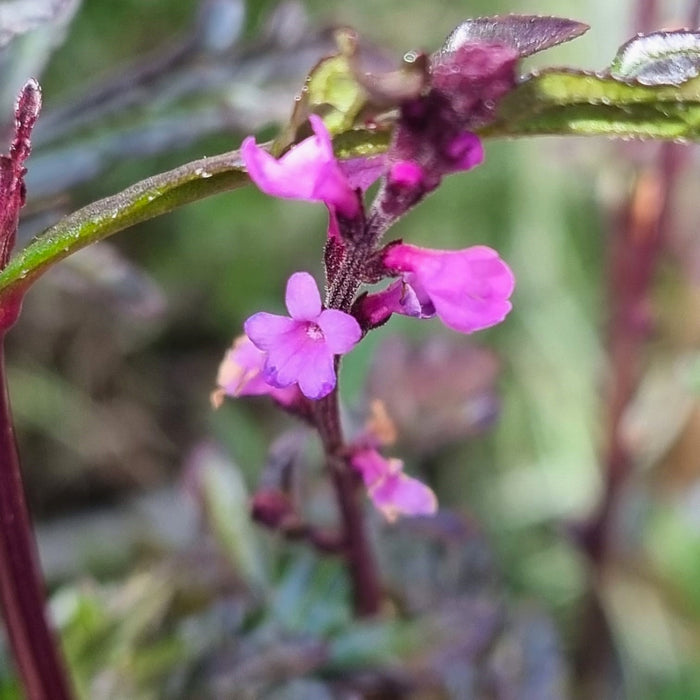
[(359, 557), (21, 585), (636, 246), (639, 237)]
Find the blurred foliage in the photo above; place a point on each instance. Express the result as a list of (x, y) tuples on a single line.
[(111, 374)]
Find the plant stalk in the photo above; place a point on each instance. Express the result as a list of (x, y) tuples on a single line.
[(22, 594), (359, 557)]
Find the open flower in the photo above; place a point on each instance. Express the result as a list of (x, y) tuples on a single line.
[(392, 492), (308, 171), (241, 374), (301, 349), (467, 289)]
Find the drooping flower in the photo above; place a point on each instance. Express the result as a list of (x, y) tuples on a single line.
[(300, 348), (308, 171), (241, 374), (467, 289), (392, 492)]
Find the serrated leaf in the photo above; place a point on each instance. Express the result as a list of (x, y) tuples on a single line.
[(527, 34), (568, 102), (661, 58)]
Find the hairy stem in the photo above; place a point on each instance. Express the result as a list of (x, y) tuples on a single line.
[(33, 645)]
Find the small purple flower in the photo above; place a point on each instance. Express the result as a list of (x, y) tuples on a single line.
[(467, 289), (308, 171), (392, 492), (240, 374), (301, 349)]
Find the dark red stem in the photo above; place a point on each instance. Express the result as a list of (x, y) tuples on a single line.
[(22, 594), (358, 554)]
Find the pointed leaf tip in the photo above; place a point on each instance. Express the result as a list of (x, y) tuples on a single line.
[(527, 34)]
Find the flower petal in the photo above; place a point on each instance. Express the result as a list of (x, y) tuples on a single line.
[(373, 467), (279, 178), (340, 330), (308, 171), (317, 374), (240, 374), (399, 494), (303, 298), (265, 329), (287, 357)]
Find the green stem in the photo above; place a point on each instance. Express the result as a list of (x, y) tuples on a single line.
[(145, 200), (361, 563)]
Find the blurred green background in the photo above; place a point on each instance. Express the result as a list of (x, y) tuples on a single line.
[(142, 522)]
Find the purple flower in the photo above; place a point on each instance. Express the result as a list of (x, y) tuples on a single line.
[(467, 289), (392, 492), (240, 374), (301, 349), (309, 171)]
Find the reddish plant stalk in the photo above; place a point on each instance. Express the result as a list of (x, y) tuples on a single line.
[(22, 594), (637, 242), (358, 555)]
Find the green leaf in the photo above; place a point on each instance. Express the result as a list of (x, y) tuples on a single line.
[(567, 102), (661, 58)]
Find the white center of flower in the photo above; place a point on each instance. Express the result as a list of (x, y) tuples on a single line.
[(314, 331)]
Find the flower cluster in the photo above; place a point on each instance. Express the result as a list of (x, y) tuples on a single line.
[(294, 358)]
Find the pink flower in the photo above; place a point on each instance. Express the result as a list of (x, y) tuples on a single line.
[(467, 289), (240, 374), (309, 171), (392, 492), (301, 349)]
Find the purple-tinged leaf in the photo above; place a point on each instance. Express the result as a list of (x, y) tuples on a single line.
[(12, 168), (661, 58), (527, 34)]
